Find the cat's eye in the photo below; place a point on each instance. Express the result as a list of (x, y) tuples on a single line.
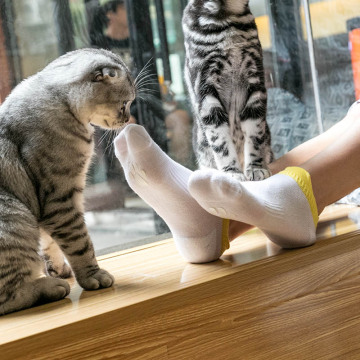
[(111, 72), (101, 75), (98, 76)]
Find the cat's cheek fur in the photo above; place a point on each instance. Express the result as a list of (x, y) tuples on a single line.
[(103, 116)]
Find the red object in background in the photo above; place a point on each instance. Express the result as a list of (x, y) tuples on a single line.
[(5, 79), (355, 59)]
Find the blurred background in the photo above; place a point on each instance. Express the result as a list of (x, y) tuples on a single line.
[(312, 65)]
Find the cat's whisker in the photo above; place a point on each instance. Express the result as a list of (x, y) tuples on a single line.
[(114, 134), (143, 69), (146, 84), (103, 137), (104, 134), (110, 140), (146, 89), (141, 75), (148, 97), (145, 100), (143, 72), (149, 92), (151, 95), (145, 77)]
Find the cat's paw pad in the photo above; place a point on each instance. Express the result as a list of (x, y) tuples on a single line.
[(99, 279), (256, 174), (58, 271)]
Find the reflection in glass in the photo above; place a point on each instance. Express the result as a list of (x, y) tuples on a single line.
[(147, 33)]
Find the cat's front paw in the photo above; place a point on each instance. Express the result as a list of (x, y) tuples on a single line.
[(256, 174), (237, 176), (96, 280)]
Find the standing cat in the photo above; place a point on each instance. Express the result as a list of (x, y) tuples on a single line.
[(225, 78), (46, 142)]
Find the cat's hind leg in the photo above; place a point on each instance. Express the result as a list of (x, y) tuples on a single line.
[(22, 279), (31, 292), (55, 263), (71, 235)]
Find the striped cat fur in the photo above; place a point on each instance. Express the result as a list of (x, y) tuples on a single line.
[(225, 79), (46, 143)]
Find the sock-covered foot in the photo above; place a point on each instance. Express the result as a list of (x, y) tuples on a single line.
[(162, 183), (282, 206)]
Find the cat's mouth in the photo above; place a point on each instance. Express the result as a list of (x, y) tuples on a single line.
[(123, 118), (123, 115)]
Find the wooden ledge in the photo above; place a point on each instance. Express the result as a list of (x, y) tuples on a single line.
[(257, 302)]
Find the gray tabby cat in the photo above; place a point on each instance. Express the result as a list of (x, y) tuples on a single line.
[(46, 142), (225, 78)]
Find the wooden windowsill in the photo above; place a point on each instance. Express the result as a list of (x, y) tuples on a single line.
[(258, 301)]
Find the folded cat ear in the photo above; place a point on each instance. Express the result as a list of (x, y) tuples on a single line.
[(105, 73)]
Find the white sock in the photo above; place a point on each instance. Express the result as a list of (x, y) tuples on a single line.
[(282, 206), (162, 183)]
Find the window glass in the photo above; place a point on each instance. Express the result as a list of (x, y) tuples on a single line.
[(312, 77), (335, 29)]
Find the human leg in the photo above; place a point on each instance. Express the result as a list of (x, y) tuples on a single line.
[(335, 171), (276, 205), (310, 148), (143, 159), (280, 205), (303, 153), (162, 183)]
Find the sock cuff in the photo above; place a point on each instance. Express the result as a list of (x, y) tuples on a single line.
[(303, 179), (225, 244)]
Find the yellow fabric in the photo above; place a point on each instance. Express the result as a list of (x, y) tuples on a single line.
[(225, 244), (303, 179)]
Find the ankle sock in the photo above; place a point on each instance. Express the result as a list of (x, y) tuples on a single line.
[(162, 183), (282, 206), (303, 180)]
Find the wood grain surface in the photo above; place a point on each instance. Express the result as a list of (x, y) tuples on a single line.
[(257, 302)]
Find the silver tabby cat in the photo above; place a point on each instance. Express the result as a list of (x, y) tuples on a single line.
[(46, 142), (225, 78)]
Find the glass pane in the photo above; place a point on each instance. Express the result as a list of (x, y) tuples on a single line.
[(147, 33), (335, 27), (291, 106)]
